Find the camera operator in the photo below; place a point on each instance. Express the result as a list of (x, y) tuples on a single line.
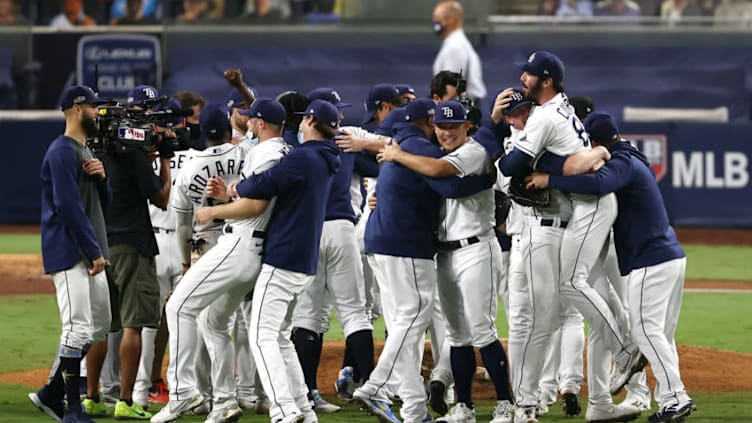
[(447, 85), (133, 248)]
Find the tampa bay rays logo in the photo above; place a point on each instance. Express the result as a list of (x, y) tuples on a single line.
[(655, 149), (447, 112), (335, 94), (516, 96), (149, 92), (531, 58)]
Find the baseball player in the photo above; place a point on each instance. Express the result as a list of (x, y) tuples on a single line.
[(469, 261), (401, 242), (564, 228), (655, 270), (300, 183), (149, 384), (74, 251), (339, 280), (200, 287)]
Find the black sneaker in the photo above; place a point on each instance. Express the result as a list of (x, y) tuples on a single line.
[(673, 413), (50, 406)]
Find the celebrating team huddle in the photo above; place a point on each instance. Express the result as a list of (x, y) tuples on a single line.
[(273, 215)]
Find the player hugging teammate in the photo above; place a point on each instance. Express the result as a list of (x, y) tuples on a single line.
[(268, 231)]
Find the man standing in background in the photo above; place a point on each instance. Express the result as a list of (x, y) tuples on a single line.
[(457, 54)]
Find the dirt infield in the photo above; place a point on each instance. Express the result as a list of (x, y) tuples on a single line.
[(697, 375), (23, 274)]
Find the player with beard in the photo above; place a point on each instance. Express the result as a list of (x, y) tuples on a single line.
[(75, 190)]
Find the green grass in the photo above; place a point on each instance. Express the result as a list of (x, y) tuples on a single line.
[(712, 408), (721, 262), (31, 340), (20, 244)]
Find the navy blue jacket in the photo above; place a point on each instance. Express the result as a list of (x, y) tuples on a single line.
[(301, 181), (67, 233), (642, 234), (406, 217), (339, 204)]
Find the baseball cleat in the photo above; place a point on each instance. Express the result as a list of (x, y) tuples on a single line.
[(460, 413), (610, 413), (294, 417), (641, 402), (95, 409), (175, 409), (123, 411), (158, 393), (320, 404), (541, 409), (437, 392), (570, 404), (674, 413), (504, 412), (247, 403), (229, 414), (525, 415), (627, 364), (344, 385), (51, 407), (381, 409)]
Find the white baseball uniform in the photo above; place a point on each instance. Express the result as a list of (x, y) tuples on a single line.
[(217, 282)]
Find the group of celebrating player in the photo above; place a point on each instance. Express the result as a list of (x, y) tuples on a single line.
[(283, 235)]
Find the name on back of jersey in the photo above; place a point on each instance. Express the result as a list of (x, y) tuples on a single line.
[(216, 168)]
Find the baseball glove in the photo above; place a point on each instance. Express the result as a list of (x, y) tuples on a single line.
[(525, 197)]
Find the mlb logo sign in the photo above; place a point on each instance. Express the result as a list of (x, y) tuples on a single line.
[(655, 148), (134, 134)]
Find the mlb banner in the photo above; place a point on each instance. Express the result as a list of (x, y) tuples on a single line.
[(112, 64), (703, 170)]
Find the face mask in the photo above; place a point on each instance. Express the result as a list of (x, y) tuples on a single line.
[(300, 137), (438, 28), (251, 139)]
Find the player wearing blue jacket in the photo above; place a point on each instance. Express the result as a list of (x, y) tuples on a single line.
[(649, 254), (339, 282), (301, 182), (75, 190), (401, 242)]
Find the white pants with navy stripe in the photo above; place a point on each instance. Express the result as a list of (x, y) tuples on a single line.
[(338, 281), (227, 270), (84, 304), (655, 296), (468, 282), (533, 307), (407, 288), (279, 370)]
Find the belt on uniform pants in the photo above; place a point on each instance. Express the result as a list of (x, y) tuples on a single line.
[(456, 245), (227, 229), (162, 230), (550, 222)]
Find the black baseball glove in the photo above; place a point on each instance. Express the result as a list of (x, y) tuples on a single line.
[(525, 197)]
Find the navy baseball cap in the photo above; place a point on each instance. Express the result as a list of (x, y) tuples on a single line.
[(545, 65), (518, 100), (266, 109), (419, 109), (450, 112), (583, 106), (234, 99), (404, 89), (138, 94), (602, 127), (214, 120), (328, 94), (172, 105), (323, 111), (378, 94), (79, 94), (393, 121)]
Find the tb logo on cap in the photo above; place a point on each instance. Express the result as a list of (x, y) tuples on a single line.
[(447, 112), (336, 96), (516, 96), (149, 93), (531, 58)]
